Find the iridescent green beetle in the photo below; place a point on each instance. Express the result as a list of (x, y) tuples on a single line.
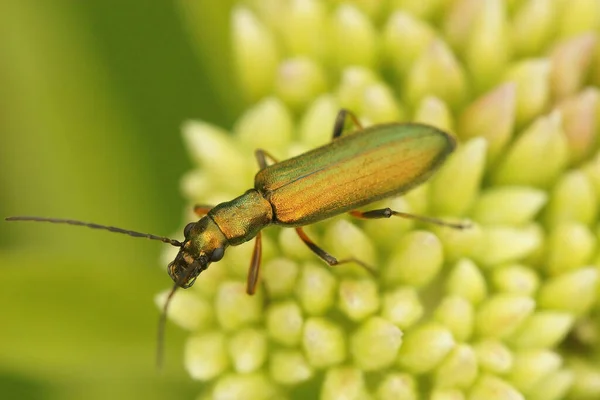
[(353, 170)]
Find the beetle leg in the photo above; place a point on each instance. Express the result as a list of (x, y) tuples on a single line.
[(328, 258), (262, 156), (340, 122), (201, 209), (388, 212), (254, 266)]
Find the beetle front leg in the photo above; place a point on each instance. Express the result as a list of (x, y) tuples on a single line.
[(254, 266), (201, 209), (388, 213), (261, 158), (340, 122), (328, 258)]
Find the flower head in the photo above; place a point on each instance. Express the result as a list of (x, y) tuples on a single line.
[(508, 309)]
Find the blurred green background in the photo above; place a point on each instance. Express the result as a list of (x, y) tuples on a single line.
[(92, 96)]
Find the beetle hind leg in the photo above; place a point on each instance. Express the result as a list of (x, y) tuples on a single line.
[(388, 213), (328, 258)]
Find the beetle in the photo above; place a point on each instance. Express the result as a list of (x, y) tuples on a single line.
[(356, 168)]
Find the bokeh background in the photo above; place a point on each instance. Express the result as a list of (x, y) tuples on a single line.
[(92, 97)]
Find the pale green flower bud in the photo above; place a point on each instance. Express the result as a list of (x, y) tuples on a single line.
[(537, 157), (255, 386), (187, 310), (255, 53), (531, 366), (323, 342), (206, 355), (416, 261), (234, 308), (424, 347), (352, 39), (592, 171), (447, 394), (582, 16), (237, 259), (572, 199), (580, 121), (352, 87), (570, 246), (208, 147), (289, 367), (571, 61), (299, 80), (284, 323), (433, 111), (490, 387), (344, 239), (423, 9), (554, 386), (386, 235), (464, 172), (404, 39), (492, 117), (379, 105), (247, 350), (402, 307), (573, 292), (502, 244), (543, 329), (302, 27), (500, 315), (465, 280), (586, 382), (252, 131), (533, 26), (533, 87), (424, 80), (316, 126), (358, 299), (397, 385), (374, 345), (344, 383), (516, 279), (280, 277), (488, 48), (493, 356), (316, 289), (508, 205), (459, 243), (458, 370), (459, 22), (457, 314), (293, 247)]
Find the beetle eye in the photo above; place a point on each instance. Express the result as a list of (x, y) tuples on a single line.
[(217, 254), (188, 228)]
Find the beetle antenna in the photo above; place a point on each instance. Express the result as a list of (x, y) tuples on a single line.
[(162, 322), (163, 239), (160, 339)]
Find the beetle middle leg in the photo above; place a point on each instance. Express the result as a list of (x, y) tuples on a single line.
[(328, 258), (388, 213), (340, 122)]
